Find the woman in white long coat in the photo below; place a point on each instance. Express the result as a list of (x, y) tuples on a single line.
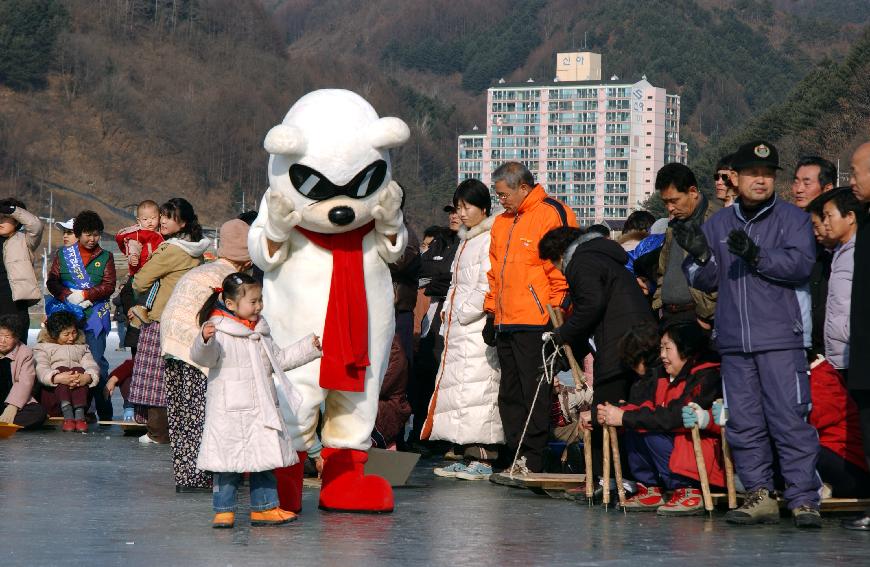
[(464, 407)]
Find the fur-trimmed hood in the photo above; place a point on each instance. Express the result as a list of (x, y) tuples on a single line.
[(483, 226)]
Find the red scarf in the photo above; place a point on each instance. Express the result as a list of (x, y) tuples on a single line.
[(218, 312), (346, 334)]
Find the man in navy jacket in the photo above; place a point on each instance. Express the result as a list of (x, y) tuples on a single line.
[(759, 255)]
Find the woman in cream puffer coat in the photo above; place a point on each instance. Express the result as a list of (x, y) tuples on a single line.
[(464, 407)]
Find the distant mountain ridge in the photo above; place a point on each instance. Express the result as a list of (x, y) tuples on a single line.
[(161, 98)]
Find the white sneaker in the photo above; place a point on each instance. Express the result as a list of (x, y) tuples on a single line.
[(145, 440)]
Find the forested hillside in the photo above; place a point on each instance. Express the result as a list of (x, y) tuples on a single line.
[(123, 99)]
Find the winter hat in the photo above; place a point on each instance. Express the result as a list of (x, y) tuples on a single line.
[(234, 241)]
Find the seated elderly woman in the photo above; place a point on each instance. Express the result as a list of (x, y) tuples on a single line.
[(658, 446)]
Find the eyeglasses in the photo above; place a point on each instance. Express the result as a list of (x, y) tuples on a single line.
[(721, 176), (314, 185)]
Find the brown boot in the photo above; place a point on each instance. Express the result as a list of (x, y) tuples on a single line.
[(158, 425)]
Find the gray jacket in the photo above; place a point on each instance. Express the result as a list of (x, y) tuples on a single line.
[(838, 305)]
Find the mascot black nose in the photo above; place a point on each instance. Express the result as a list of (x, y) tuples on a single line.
[(341, 216)]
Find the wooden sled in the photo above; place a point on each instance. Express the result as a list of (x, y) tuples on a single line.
[(828, 505), (550, 484), (129, 427), (54, 422)]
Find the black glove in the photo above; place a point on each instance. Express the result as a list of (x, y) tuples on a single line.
[(691, 238), (7, 209), (740, 244), (489, 330)]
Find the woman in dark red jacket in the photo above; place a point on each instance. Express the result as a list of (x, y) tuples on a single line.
[(659, 448)]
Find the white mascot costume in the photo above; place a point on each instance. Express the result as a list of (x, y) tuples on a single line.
[(328, 225)]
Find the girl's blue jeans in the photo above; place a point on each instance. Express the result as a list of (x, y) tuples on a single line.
[(264, 491)]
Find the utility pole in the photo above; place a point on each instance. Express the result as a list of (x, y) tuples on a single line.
[(50, 217)]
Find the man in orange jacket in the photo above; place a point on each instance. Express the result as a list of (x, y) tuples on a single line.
[(521, 285)]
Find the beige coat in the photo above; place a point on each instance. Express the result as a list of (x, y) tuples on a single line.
[(167, 265), (179, 323), (18, 252), (244, 428), (50, 356)]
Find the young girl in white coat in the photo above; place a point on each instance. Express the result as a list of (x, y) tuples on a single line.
[(247, 394)]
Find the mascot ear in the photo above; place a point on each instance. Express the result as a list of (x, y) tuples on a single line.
[(284, 140), (386, 133)]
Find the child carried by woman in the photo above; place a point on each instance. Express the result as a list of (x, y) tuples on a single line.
[(246, 398)]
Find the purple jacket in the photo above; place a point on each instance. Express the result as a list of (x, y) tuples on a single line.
[(767, 307), (838, 305)]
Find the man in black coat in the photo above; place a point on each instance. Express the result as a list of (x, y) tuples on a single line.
[(435, 271), (606, 302), (858, 379)]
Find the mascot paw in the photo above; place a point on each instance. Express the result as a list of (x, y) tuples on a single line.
[(282, 216), (346, 489), (388, 212)]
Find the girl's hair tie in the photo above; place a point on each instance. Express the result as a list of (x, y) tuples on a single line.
[(218, 289)]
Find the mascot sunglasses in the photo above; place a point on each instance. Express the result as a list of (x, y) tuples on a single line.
[(314, 185)]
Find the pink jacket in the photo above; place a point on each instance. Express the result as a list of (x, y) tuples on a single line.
[(23, 376)]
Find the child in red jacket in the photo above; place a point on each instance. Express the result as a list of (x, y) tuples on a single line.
[(658, 446), (835, 416), (137, 242)]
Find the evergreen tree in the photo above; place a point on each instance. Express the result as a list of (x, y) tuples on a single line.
[(28, 34)]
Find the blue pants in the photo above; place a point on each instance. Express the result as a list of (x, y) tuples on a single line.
[(264, 491), (649, 455), (768, 399), (97, 344)]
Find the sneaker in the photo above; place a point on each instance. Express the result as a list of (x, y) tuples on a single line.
[(81, 426), (68, 425), (647, 499), (450, 471), (758, 508), (508, 476), (146, 440), (274, 517), (861, 523), (223, 520), (683, 502), (806, 516), (129, 414), (475, 471)]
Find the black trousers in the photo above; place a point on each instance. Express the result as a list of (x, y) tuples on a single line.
[(31, 416), (613, 390), (862, 400), (519, 354), (421, 384), (846, 480)]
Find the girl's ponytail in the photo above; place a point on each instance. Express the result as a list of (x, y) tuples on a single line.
[(210, 304)]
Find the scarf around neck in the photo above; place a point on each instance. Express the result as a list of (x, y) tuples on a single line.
[(346, 332)]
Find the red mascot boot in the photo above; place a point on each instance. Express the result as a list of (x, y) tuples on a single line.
[(289, 480), (346, 489)]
